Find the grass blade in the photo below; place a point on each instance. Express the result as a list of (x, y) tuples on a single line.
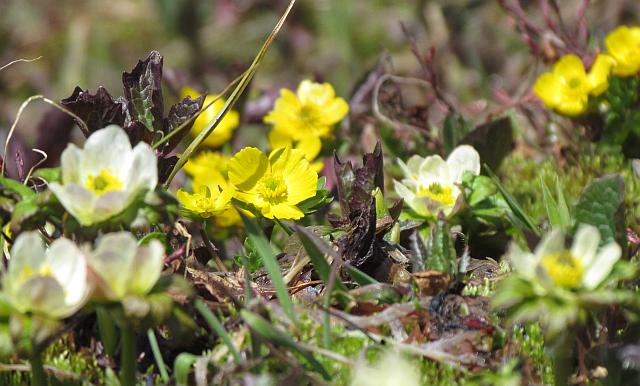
[(218, 328), (162, 367), (262, 246), (233, 98), (266, 330), (517, 210)]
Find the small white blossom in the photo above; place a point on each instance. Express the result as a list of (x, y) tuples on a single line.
[(431, 184), (105, 177)]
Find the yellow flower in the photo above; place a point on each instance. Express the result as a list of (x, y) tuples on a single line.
[(623, 44), (208, 165), (222, 134), (210, 200), (274, 185), (303, 119), (566, 89)]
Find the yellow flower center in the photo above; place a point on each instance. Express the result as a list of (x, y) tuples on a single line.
[(103, 182), (574, 83), (439, 193), (310, 115), (27, 272), (564, 269), (272, 189)]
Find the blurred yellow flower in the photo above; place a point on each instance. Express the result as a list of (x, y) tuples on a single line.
[(207, 165), (274, 184), (303, 119), (566, 89), (222, 134), (623, 44)]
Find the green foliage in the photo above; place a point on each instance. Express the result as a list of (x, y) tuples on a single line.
[(601, 205)]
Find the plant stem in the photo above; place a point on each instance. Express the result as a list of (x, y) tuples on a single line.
[(563, 359), (128, 357), (38, 376)]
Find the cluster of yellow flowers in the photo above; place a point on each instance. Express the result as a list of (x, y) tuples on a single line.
[(273, 184), (567, 88)]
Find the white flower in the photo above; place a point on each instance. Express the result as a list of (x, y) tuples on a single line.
[(582, 266), (122, 267), (49, 282), (105, 177), (390, 370), (431, 184)]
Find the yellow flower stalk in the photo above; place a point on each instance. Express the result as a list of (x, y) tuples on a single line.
[(568, 86), (623, 44), (303, 119), (274, 184), (223, 133)]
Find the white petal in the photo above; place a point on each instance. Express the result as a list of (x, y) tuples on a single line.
[(70, 162), (143, 170), (43, 295), (27, 251), (111, 203), (585, 244), (68, 266), (403, 191), (412, 168), (551, 243), (146, 268), (434, 169), (77, 200), (112, 262), (463, 158), (522, 262), (601, 266), (106, 148)]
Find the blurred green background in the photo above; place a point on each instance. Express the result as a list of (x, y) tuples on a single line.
[(208, 42)]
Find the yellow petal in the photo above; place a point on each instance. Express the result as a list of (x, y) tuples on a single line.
[(283, 211), (570, 67), (247, 167), (278, 139), (310, 146), (315, 93), (598, 78), (334, 111), (550, 89), (573, 107), (623, 44)]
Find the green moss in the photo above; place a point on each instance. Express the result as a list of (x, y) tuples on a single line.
[(522, 177)]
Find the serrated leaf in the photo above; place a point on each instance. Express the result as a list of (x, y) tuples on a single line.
[(601, 204), (143, 91), (96, 110)]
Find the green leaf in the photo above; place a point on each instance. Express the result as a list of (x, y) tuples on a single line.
[(557, 210), (47, 174), (182, 367), (263, 248), (16, 187), (453, 130), (442, 254), (218, 328), (107, 330), (266, 329), (601, 204), (520, 217), (481, 188), (493, 141)]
